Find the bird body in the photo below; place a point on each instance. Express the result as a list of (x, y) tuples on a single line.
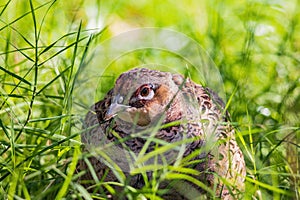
[(175, 109)]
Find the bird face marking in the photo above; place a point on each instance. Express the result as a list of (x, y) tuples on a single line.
[(146, 92), (143, 95)]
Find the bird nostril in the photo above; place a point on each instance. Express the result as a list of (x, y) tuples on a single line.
[(120, 100)]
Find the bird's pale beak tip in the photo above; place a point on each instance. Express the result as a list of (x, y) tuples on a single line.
[(109, 116)]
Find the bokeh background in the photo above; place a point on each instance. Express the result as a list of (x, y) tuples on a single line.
[(254, 44)]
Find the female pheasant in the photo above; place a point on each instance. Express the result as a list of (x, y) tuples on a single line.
[(178, 111)]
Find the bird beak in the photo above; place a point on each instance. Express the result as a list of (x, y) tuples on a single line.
[(115, 109), (127, 113)]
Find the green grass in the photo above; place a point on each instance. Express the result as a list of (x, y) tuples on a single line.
[(43, 45)]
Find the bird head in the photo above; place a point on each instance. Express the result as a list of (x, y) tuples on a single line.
[(141, 96)]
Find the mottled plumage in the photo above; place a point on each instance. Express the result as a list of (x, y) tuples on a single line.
[(143, 98)]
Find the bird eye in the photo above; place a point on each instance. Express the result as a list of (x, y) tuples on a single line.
[(146, 92)]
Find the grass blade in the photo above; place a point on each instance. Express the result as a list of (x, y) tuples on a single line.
[(15, 76)]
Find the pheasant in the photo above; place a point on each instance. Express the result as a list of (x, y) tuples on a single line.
[(176, 110)]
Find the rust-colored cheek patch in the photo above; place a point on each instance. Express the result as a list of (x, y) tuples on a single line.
[(142, 116), (161, 95)]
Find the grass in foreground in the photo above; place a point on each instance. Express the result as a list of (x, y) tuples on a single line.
[(42, 46)]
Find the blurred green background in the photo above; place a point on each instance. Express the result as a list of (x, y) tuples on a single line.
[(254, 44)]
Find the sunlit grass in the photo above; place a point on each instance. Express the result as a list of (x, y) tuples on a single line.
[(255, 45)]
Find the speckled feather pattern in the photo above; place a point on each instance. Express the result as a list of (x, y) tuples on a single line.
[(175, 98)]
